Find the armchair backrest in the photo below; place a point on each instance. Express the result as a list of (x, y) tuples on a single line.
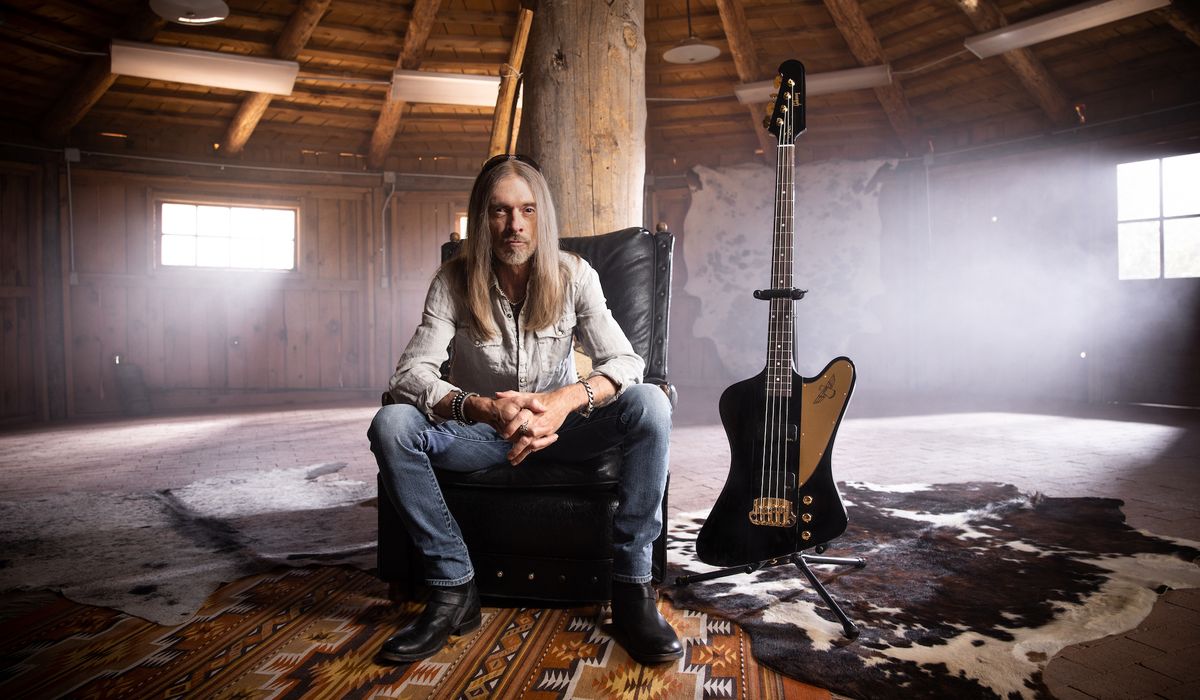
[(634, 266)]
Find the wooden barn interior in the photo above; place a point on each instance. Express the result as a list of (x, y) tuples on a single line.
[(999, 269)]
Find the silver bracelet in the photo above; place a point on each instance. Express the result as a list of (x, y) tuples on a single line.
[(591, 398)]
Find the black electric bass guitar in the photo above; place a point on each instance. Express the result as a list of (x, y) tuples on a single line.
[(780, 496)]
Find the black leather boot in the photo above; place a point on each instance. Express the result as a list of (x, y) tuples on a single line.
[(639, 628), (448, 611)]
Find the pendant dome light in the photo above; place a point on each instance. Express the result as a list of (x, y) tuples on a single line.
[(692, 49), (191, 12)]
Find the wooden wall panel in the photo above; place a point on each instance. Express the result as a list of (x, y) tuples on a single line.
[(22, 380), (18, 375), (418, 224), (295, 306), (200, 335)]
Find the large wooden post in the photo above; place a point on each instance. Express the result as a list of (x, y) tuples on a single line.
[(584, 113)]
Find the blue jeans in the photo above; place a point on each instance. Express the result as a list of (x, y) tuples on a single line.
[(408, 448)]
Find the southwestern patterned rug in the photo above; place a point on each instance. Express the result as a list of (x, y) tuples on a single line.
[(968, 591), (313, 632)]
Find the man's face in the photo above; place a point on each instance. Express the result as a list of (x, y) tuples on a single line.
[(512, 219)]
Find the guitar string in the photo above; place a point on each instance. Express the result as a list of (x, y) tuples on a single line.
[(784, 325), (784, 365), (789, 303), (775, 362), (766, 483)]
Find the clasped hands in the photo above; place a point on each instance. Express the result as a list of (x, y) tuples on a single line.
[(529, 421)]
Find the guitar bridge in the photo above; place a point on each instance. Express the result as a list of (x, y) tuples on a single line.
[(773, 512)]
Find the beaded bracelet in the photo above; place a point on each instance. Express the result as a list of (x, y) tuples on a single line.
[(591, 398), (458, 407)]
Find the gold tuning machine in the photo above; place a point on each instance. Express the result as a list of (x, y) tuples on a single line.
[(778, 81), (767, 122)]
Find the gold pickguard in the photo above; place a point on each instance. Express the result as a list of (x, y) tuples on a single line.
[(821, 406)]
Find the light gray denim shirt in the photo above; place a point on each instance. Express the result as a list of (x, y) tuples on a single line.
[(518, 358)]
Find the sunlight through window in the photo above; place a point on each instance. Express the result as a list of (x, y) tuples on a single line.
[(215, 236), (1158, 218)]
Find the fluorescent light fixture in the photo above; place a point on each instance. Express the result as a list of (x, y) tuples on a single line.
[(820, 83), (211, 68), (445, 88), (1055, 24)]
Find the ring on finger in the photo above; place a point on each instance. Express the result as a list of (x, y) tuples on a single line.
[(524, 429)]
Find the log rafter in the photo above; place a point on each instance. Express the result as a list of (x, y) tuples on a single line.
[(95, 80), (1185, 18), (293, 38), (413, 50), (985, 16), (746, 63), (854, 27), (502, 118)]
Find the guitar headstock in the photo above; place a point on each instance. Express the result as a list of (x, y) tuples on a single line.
[(787, 116)]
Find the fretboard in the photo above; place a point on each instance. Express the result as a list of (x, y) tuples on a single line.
[(780, 333)]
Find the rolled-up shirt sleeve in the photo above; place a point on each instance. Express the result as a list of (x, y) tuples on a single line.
[(418, 380), (600, 336)]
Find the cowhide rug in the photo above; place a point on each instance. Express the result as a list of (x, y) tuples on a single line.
[(968, 591), (158, 555)]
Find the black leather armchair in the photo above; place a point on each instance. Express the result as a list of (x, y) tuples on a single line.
[(543, 534)]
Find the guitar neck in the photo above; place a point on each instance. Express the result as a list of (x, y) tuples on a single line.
[(780, 331)]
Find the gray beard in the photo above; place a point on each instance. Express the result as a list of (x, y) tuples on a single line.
[(514, 257)]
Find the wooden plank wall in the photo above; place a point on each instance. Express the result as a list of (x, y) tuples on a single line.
[(231, 338), (1000, 308), (22, 381), (418, 224)]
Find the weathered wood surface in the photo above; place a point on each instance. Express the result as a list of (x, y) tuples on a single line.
[(585, 111), (502, 119), (295, 35)]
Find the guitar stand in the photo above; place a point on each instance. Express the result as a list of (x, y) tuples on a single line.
[(801, 561)]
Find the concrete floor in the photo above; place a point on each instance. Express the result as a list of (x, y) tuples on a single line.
[(1147, 456)]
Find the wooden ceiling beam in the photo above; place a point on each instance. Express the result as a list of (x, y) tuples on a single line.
[(37, 28), (1037, 81), (1185, 18), (438, 64), (799, 14), (419, 26), (295, 35), (503, 115), (104, 118), (851, 22), (490, 19), (97, 77), (745, 61), (101, 21)]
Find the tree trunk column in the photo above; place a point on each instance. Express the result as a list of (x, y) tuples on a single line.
[(584, 112)]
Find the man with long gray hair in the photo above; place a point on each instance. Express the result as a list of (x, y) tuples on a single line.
[(505, 311)]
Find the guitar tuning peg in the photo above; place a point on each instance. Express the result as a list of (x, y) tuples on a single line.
[(766, 122), (778, 81)]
